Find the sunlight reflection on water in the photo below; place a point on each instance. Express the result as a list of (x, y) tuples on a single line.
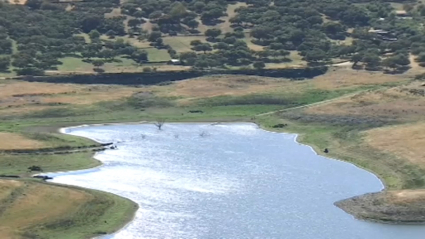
[(233, 181)]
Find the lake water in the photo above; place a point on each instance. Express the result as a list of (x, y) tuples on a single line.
[(228, 181)]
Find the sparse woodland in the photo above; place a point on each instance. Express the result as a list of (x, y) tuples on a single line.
[(35, 37)]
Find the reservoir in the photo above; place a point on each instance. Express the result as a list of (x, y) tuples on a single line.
[(228, 181)]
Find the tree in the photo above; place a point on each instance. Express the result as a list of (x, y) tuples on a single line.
[(420, 58), (94, 35), (261, 32), (199, 6), (155, 15), (372, 61), (276, 46), (147, 69), (4, 63), (98, 63), (284, 53), (355, 16), (140, 56), (334, 30), (178, 10), (211, 17), (159, 42), (90, 23), (213, 33), (133, 23), (154, 35), (107, 54), (221, 46), (356, 58), (229, 40), (159, 124), (111, 33), (192, 24), (188, 58), (203, 47), (263, 54), (195, 42), (397, 62), (315, 55), (259, 65), (30, 71)]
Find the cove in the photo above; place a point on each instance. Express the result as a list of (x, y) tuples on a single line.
[(228, 181)]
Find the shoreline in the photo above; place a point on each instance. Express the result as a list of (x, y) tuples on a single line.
[(296, 140), (346, 205)]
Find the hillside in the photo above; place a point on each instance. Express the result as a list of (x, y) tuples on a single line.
[(53, 37)]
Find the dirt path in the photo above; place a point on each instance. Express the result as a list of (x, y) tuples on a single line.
[(312, 104)]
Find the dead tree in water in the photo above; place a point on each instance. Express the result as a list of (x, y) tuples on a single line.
[(159, 124)]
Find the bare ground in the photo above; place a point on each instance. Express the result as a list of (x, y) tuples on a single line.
[(401, 206)]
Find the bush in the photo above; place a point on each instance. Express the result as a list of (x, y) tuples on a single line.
[(147, 69), (98, 70)]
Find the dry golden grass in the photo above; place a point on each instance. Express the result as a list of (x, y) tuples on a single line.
[(226, 25), (395, 104), (35, 204), (10, 89), (406, 196), (91, 95), (415, 69), (23, 109), (346, 77), (253, 46), (116, 12), (20, 93), (404, 141), (7, 186), (69, 7), (16, 141), (147, 26), (217, 85), (21, 2), (18, 97), (211, 86)]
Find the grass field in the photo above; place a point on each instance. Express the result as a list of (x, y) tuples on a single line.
[(403, 141), (182, 43), (157, 55), (73, 64), (18, 164)]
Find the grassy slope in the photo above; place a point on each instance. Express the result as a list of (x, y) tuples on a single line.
[(31, 209)]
